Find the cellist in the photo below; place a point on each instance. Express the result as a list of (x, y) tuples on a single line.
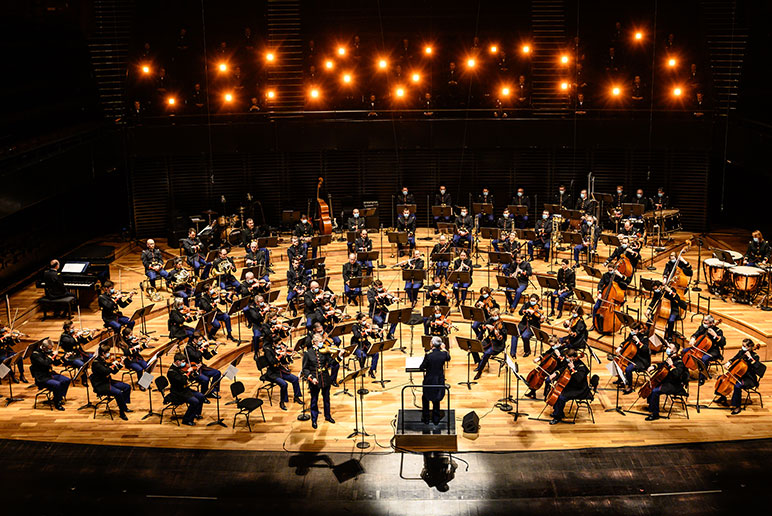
[(630, 251), (577, 388), (577, 330), (642, 358), (715, 334), (553, 349), (749, 380), (673, 383), (660, 291)]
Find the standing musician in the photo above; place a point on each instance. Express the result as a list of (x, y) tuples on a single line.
[(584, 203), (677, 377), (577, 330), (631, 251), (131, 345), (505, 224), (180, 280), (364, 244), (437, 294), (361, 333), (110, 303), (153, 261), (682, 264), (379, 299), (405, 197), (254, 313), (590, 234), (521, 270), (178, 316), (485, 198), (304, 231), (297, 282), (316, 366), (336, 352), (196, 351), (532, 318), (256, 257), (610, 275), (224, 267), (406, 222), (495, 340), (351, 269), (180, 391), (709, 327), (758, 250), (211, 301), (642, 359), (413, 287), (543, 236), (566, 285), (562, 198), (577, 388), (42, 361), (8, 339), (442, 247), (297, 250), (328, 317), (660, 291), (749, 380), (433, 366), (464, 225), (71, 342), (520, 199), (279, 359), (487, 303), (102, 368), (192, 248), (355, 222), (661, 201), (619, 198), (462, 264), (442, 198)]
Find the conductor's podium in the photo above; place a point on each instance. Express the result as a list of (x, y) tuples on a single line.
[(413, 435)]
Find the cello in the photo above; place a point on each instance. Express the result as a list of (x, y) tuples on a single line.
[(612, 297), (702, 345), (656, 379), (546, 365), (736, 370), (323, 210), (562, 381), (677, 281)]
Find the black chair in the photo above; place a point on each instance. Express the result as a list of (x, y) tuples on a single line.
[(500, 358), (170, 402), (587, 403), (103, 398), (267, 385), (680, 398), (245, 405), (131, 373), (748, 392), (58, 304), (44, 391)]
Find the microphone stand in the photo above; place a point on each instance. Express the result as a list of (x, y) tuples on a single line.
[(428, 220), (304, 416), (696, 286)]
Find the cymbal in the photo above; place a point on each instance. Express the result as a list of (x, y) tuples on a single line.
[(209, 212)]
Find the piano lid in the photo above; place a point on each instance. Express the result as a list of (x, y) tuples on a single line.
[(93, 253)]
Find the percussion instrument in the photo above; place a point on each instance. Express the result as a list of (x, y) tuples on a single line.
[(746, 282), (670, 220), (716, 273)]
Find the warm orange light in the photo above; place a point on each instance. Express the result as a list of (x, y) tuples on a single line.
[(270, 94), (171, 101), (222, 67), (145, 69), (270, 57), (505, 91), (400, 92), (341, 51), (671, 62), (677, 91), (526, 49), (328, 64), (616, 91), (428, 50), (382, 64), (347, 78), (564, 85), (638, 36), (564, 59), (228, 97), (314, 93), (494, 49), (470, 62), (415, 77)]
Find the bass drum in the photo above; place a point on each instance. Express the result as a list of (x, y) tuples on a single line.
[(716, 273), (232, 236)]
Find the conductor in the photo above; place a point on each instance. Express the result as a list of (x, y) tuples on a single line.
[(433, 367)]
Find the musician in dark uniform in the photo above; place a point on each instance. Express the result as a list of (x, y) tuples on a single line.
[(379, 299), (254, 314), (101, 381), (610, 275), (54, 284), (131, 345), (442, 198), (661, 201), (433, 366), (110, 304), (355, 222), (562, 198), (577, 331), (462, 264), (250, 234), (682, 264), (153, 261), (556, 349), (511, 245), (615, 210), (566, 284), (41, 368), (505, 224), (406, 222), (584, 203), (494, 343), (642, 359), (437, 324), (361, 333), (677, 377), (180, 281), (177, 320), (312, 300), (180, 391), (710, 328), (436, 294), (590, 234), (577, 388), (297, 282), (531, 319), (485, 198), (628, 230), (630, 251), (520, 199), (221, 267), (351, 269), (196, 351), (8, 340), (543, 235), (464, 225), (363, 244), (749, 380), (486, 302), (296, 250), (405, 197), (256, 257), (412, 287), (211, 301), (278, 371), (304, 231), (660, 291), (758, 250), (192, 248), (641, 199), (521, 269), (442, 247), (316, 370), (71, 342)]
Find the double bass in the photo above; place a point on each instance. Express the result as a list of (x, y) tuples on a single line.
[(323, 211), (678, 281), (612, 297)]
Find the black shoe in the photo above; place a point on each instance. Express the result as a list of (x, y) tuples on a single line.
[(282, 405), (298, 400), (206, 401), (23, 379), (313, 425), (527, 353), (142, 389), (627, 391), (214, 396), (530, 394), (123, 416), (59, 406), (736, 411), (231, 338), (335, 384), (198, 416), (189, 423), (560, 314), (478, 375), (592, 328), (552, 314), (652, 417), (127, 409), (372, 374), (722, 401), (425, 421), (554, 421), (330, 420)]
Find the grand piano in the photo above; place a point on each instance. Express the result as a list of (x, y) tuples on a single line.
[(83, 268)]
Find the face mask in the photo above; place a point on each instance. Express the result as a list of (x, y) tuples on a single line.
[(380, 289), (183, 364), (624, 246), (562, 192), (582, 196), (745, 349), (251, 281), (619, 191), (589, 223), (304, 221), (485, 296), (404, 192), (485, 193), (672, 260), (519, 194), (545, 217), (574, 316), (314, 290), (356, 215), (496, 318), (211, 292), (660, 194), (669, 352), (463, 214), (112, 291), (756, 240), (533, 303), (506, 215), (639, 195), (442, 192), (437, 285)]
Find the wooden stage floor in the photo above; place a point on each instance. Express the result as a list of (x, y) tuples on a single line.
[(499, 431)]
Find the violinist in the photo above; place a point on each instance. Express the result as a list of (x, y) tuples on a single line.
[(487, 303), (433, 366), (709, 327), (192, 248), (316, 370), (364, 244), (180, 281), (749, 380), (759, 250), (681, 263), (630, 250), (577, 388), (442, 198), (577, 330), (610, 275), (153, 261), (520, 199), (590, 234), (641, 359), (379, 300), (196, 351), (42, 361), (437, 294), (328, 317), (329, 345), (543, 236), (464, 225), (355, 222), (312, 299), (362, 331), (297, 282), (677, 377), (485, 198), (110, 303), (660, 291), (102, 368), (71, 342), (8, 339), (254, 314), (533, 316), (224, 267), (131, 345), (277, 355), (566, 283), (505, 224), (627, 230), (351, 269), (520, 269), (406, 222), (178, 316), (437, 324), (180, 391), (253, 287), (412, 287), (460, 288), (297, 250), (441, 265), (213, 300), (495, 340)]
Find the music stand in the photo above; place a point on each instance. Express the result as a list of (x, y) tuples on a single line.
[(400, 315), (460, 277), (211, 255), (592, 271), (482, 208), (547, 283), (146, 381), (271, 241), (6, 367), (442, 210), (470, 346), (446, 227), (203, 286), (518, 210), (397, 238), (257, 270), (584, 296), (360, 282), (528, 234), (367, 256), (426, 341), (553, 209), (353, 376), (82, 371), (237, 307), (219, 420), (380, 347), (411, 207)]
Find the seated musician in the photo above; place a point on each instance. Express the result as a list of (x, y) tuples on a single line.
[(590, 234), (674, 383), (178, 316), (749, 380), (436, 293), (620, 198), (659, 292), (297, 250), (566, 284), (520, 199), (213, 300), (578, 387), (406, 222), (54, 284), (642, 360), (304, 231), (610, 275), (485, 198), (355, 222), (297, 282), (153, 261), (362, 332), (351, 269), (562, 198), (412, 287), (41, 367), (442, 198), (758, 251), (464, 225), (196, 351), (433, 366), (252, 287), (192, 248), (328, 317), (684, 265), (511, 244), (642, 200), (379, 300), (277, 355), (180, 281), (462, 264), (71, 342), (180, 391), (505, 224), (531, 320), (316, 365), (312, 300), (495, 340), (577, 330), (662, 201), (250, 234), (709, 327), (254, 314), (8, 339), (543, 235), (556, 349), (442, 247), (584, 203), (437, 324), (364, 244), (131, 345), (521, 270), (102, 369), (224, 267), (628, 249), (405, 197), (486, 302), (256, 258), (110, 303)]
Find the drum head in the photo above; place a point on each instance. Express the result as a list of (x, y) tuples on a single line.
[(715, 262), (234, 236), (744, 270)]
